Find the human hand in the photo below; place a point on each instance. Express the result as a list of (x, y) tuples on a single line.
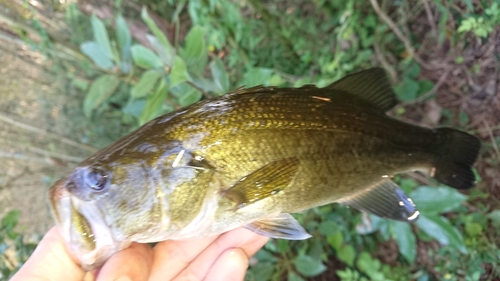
[(222, 257)]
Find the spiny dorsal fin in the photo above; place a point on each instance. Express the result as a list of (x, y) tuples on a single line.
[(371, 85), (264, 182), (384, 199), (282, 226)]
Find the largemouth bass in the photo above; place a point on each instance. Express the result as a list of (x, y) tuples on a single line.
[(250, 158)]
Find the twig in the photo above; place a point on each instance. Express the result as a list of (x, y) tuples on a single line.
[(50, 134), (21, 157), (44, 152), (493, 142), (207, 95), (398, 33), (381, 58), (430, 17)]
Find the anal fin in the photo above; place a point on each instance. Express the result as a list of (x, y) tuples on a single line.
[(282, 226), (384, 199)]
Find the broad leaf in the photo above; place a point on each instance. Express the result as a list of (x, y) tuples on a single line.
[(10, 220), (156, 31), (432, 200), (124, 42), (407, 90), (102, 88), (308, 266), (494, 216), (195, 51), (191, 97), (144, 57), (97, 54), (335, 240), (292, 276), (406, 240), (347, 254), (101, 35), (220, 76), (179, 73), (154, 103), (146, 83), (257, 76), (166, 58), (440, 228)]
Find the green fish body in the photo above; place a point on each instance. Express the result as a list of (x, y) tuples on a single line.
[(250, 158)]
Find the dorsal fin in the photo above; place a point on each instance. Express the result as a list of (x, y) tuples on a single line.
[(371, 85)]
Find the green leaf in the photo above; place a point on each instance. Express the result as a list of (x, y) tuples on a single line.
[(367, 264), (328, 228), (135, 107), (10, 220), (430, 200), (414, 70), (195, 51), (166, 58), (96, 53), (494, 216), (146, 83), (220, 76), (257, 76), (101, 35), (308, 266), (190, 97), (157, 32), (124, 37), (292, 276), (406, 240), (407, 90), (102, 88), (440, 229), (263, 271), (154, 103), (335, 240), (347, 254), (178, 73), (144, 57)]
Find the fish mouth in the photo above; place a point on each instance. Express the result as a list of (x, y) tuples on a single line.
[(88, 238)]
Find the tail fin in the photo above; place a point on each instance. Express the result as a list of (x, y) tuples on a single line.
[(457, 153)]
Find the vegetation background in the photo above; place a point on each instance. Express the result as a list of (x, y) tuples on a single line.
[(76, 75)]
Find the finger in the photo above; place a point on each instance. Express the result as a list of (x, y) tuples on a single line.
[(50, 261), (231, 265), (243, 238), (171, 257), (132, 263)]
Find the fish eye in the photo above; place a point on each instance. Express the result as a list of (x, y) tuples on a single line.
[(96, 179)]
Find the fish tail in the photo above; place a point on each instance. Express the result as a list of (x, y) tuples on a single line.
[(457, 152)]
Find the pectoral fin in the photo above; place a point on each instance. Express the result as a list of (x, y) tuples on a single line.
[(386, 200), (281, 226), (264, 182)]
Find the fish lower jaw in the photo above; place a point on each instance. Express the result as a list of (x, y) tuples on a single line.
[(105, 243), (97, 257)]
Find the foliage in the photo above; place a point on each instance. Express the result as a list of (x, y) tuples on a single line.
[(14, 251), (482, 26), (168, 77), (292, 43)]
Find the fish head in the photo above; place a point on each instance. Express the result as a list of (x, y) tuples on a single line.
[(100, 210), (106, 204)]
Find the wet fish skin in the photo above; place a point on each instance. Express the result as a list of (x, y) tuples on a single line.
[(248, 159)]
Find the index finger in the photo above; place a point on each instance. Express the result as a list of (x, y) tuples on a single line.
[(50, 261)]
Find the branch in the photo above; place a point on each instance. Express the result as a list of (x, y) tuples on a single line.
[(45, 132)]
